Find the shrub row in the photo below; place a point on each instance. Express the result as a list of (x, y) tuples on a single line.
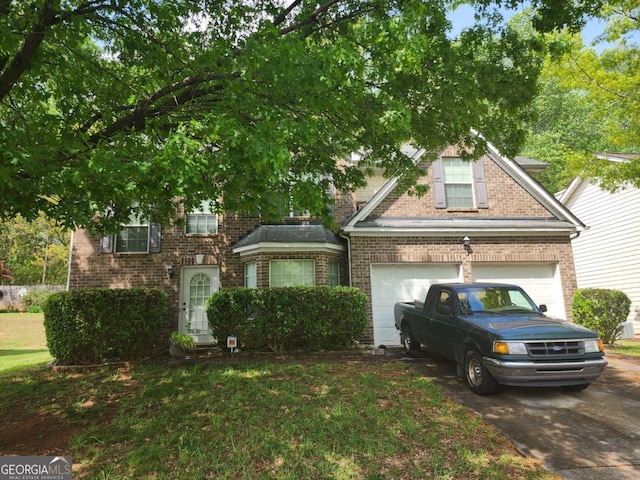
[(102, 324), (602, 310), (289, 318)]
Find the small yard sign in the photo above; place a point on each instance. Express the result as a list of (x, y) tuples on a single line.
[(232, 342)]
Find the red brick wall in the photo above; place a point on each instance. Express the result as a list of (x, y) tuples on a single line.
[(90, 268), (371, 250), (506, 198)]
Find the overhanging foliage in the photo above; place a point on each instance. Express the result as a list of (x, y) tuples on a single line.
[(109, 103)]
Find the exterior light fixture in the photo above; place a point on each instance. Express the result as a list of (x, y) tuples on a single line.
[(466, 244), (170, 270)]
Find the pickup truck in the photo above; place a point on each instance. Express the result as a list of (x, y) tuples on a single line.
[(497, 335)]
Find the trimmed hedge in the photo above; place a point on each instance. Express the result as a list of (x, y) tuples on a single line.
[(291, 317), (101, 324), (602, 310)]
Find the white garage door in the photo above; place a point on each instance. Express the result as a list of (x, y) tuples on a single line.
[(540, 281), (402, 282)]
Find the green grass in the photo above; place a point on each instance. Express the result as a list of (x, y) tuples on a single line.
[(243, 418), (22, 341), (255, 420), (628, 347)]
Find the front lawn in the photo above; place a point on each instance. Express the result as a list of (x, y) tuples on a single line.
[(242, 417), (627, 347), (22, 341), (236, 418)]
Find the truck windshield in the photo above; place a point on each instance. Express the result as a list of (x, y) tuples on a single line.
[(494, 300)]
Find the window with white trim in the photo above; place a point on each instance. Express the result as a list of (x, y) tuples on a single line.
[(284, 205), (202, 221), (134, 237), (334, 274), (140, 235), (292, 273), (251, 275), (458, 183)]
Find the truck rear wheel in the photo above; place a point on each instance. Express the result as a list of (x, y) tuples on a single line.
[(410, 344), (478, 377)]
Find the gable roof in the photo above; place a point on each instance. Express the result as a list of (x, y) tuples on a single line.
[(562, 220), (287, 237)]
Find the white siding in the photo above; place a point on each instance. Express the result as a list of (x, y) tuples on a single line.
[(607, 255)]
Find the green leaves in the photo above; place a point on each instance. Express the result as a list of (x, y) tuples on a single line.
[(285, 318), (601, 310), (146, 101)]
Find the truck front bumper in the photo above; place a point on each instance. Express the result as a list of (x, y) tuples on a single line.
[(545, 374)]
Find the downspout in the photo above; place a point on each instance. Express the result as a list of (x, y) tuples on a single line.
[(70, 258), (346, 237)]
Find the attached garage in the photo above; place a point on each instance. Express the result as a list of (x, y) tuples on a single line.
[(402, 282), (405, 282), (540, 280)]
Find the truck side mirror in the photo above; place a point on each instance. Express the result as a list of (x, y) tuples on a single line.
[(445, 310), (542, 308)]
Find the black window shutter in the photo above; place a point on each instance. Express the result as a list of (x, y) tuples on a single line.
[(480, 184), (155, 236), (437, 171), (106, 244)]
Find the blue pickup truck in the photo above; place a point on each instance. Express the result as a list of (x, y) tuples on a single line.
[(497, 335)]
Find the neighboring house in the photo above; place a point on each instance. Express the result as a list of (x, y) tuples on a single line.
[(607, 255), (392, 247)]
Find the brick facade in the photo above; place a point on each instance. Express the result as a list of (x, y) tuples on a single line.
[(507, 198), (368, 251)]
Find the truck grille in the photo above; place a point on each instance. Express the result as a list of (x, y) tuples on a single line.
[(556, 348)]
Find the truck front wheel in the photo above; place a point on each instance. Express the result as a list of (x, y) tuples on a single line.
[(478, 377), (410, 344)]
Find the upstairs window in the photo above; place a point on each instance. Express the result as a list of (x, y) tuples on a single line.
[(133, 238), (284, 206), (140, 235), (459, 184), (202, 221)]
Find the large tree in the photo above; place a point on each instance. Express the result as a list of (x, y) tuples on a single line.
[(105, 104), (35, 252), (606, 81)]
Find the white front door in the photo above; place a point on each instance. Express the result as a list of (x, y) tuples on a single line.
[(198, 283)]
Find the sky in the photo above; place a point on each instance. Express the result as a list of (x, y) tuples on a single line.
[(462, 17)]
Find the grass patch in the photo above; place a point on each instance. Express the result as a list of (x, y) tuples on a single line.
[(22, 341), (628, 347), (256, 419)]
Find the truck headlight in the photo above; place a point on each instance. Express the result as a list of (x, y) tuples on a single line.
[(509, 348), (593, 346)]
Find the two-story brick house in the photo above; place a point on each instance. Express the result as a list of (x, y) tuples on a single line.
[(391, 246)]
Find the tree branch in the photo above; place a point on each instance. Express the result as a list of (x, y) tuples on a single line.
[(180, 94), (311, 18), (48, 17), (283, 15)]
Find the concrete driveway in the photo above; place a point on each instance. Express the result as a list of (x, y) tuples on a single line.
[(593, 434)]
